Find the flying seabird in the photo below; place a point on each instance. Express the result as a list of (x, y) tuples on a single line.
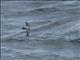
[(27, 28)]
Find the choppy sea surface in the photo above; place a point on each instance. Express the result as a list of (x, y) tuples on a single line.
[(55, 30)]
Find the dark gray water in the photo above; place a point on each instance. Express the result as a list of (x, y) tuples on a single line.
[(55, 30)]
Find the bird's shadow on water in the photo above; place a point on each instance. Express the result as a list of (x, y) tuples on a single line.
[(23, 39)]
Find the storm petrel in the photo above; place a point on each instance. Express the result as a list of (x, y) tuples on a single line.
[(27, 28)]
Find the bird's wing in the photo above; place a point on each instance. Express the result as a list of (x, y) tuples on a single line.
[(27, 24)]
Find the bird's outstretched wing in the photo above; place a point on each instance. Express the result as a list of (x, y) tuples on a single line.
[(27, 24)]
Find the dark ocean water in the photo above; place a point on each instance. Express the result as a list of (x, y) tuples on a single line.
[(55, 30)]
